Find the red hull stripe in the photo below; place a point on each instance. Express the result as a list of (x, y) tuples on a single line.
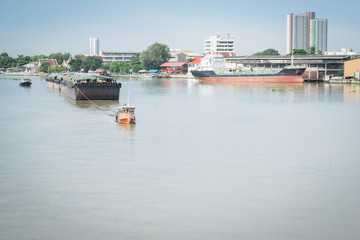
[(127, 120), (255, 79)]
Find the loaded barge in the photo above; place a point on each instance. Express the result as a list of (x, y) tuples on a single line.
[(85, 86)]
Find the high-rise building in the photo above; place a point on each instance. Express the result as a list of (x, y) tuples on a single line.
[(94, 47), (220, 45), (318, 34), (305, 31)]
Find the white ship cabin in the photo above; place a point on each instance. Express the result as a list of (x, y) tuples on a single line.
[(213, 62)]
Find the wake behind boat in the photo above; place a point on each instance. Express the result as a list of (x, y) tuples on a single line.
[(212, 70)]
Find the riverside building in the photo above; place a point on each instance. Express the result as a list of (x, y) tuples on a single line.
[(94, 47), (317, 66), (305, 31), (110, 56), (220, 45)]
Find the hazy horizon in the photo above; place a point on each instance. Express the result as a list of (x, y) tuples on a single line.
[(38, 27)]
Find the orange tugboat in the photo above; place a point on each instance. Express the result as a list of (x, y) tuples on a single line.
[(126, 115)]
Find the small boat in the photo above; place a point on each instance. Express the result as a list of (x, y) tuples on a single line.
[(148, 75), (125, 114), (25, 82)]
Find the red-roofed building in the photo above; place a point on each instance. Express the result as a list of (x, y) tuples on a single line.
[(194, 64), (174, 67), (52, 62)]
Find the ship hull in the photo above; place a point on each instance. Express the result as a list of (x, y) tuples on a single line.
[(88, 91), (284, 76), (126, 120)]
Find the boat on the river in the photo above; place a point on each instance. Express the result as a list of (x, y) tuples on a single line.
[(85, 86), (25, 82), (212, 70), (125, 114)]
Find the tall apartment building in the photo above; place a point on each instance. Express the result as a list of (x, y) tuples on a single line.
[(305, 31), (220, 45), (318, 34), (94, 47)]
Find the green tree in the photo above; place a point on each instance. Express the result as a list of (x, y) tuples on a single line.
[(312, 50), (91, 63), (75, 65), (6, 61), (124, 67), (155, 55), (299, 52), (135, 63), (60, 57), (4, 55), (36, 58), (105, 66), (57, 68), (45, 67), (268, 52), (22, 60), (114, 67)]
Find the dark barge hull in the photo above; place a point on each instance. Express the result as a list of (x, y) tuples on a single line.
[(87, 91), (286, 75)]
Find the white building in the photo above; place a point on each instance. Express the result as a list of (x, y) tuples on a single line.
[(94, 47), (110, 56), (343, 51), (220, 45)]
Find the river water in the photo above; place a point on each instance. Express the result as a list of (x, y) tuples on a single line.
[(204, 161)]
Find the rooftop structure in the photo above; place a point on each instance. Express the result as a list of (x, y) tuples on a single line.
[(343, 51), (220, 45)]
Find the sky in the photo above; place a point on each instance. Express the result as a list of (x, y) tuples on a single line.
[(43, 27)]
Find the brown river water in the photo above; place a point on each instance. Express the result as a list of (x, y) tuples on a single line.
[(203, 161)]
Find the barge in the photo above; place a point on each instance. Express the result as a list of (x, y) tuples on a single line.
[(85, 86)]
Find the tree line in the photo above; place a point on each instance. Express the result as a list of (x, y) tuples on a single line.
[(273, 52), (155, 55), (6, 61)]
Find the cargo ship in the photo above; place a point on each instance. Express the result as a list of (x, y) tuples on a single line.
[(85, 86), (211, 70)]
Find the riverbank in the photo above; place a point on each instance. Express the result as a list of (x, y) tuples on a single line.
[(24, 74)]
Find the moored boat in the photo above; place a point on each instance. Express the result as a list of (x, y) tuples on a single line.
[(25, 82), (286, 75), (212, 70), (85, 86)]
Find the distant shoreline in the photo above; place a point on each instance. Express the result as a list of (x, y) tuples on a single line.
[(25, 74)]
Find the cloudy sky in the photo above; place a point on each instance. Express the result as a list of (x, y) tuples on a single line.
[(44, 27)]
